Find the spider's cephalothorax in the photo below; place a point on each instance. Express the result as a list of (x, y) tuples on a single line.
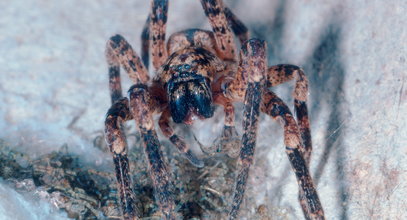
[(195, 71), (187, 77)]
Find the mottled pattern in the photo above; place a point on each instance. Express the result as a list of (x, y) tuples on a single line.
[(118, 50), (253, 64), (309, 200), (114, 83), (195, 70), (117, 114), (158, 169), (285, 72), (158, 20), (192, 38), (200, 61), (224, 39), (127, 197)]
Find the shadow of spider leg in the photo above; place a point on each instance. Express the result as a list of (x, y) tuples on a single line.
[(238, 28), (118, 51)]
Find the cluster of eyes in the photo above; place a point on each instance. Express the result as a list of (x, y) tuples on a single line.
[(180, 68)]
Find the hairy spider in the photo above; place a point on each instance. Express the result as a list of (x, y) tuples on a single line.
[(194, 71)]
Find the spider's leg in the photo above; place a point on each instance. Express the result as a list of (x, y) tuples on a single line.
[(274, 106), (145, 43), (115, 86), (229, 140), (141, 112), (158, 20), (116, 116), (119, 52), (238, 28), (182, 147), (253, 64), (214, 10), (282, 73)]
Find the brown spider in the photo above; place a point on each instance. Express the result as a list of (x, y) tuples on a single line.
[(195, 70)]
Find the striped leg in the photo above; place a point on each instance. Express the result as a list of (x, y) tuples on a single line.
[(214, 10), (159, 172), (116, 116), (145, 43), (119, 52), (253, 63), (282, 73), (158, 20), (309, 200)]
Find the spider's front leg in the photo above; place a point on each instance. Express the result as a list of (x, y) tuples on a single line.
[(280, 74), (252, 68), (116, 116), (163, 187), (248, 83), (118, 51), (309, 200)]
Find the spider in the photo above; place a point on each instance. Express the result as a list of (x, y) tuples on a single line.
[(194, 71)]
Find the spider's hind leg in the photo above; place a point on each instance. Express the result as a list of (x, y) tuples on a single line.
[(285, 72), (309, 200), (280, 74)]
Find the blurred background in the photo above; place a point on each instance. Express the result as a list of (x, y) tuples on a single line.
[(54, 91)]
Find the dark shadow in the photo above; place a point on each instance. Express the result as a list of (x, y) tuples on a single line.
[(271, 30), (326, 78)]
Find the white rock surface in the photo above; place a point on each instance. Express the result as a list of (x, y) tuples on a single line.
[(53, 90)]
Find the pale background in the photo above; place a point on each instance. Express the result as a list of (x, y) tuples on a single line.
[(53, 90)]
